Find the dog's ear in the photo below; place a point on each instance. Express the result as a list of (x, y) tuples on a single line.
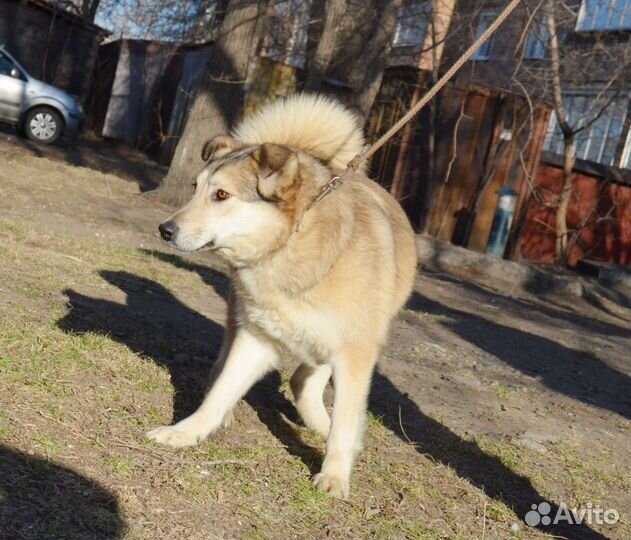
[(219, 146), (277, 170)]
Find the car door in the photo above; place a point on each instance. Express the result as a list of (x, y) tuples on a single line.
[(12, 89)]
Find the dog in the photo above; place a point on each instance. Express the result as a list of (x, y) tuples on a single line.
[(315, 276)]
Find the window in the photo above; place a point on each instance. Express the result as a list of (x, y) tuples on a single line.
[(604, 118), (538, 39), (604, 15), (485, 20), (6, 65), (625, 162), (412, 24)]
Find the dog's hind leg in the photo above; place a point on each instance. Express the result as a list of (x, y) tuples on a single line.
[(352, 372), (307, 385), (249, 358)]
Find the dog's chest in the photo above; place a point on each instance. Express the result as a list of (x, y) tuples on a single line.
[(269, 320), (285, 326), (286, 321)]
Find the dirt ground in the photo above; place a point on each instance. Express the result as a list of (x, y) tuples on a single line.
[(485, 403), (96, 153)]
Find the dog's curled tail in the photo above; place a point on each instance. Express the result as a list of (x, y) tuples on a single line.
[(313, 123)]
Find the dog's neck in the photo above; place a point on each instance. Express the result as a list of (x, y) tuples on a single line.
[(308, 254)]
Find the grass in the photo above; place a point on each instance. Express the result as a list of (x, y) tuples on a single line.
[(503, 392), (120, 465), (78, 390), (591, 478), (55, 369), (47, 443)]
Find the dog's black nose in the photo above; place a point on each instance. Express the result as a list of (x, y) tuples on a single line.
[(168, 230)]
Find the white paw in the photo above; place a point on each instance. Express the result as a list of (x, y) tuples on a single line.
[(174, 436), (227, 420), (323, 428), (333, 485), (318, 421)]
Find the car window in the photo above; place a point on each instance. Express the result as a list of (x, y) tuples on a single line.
[(6, 65)]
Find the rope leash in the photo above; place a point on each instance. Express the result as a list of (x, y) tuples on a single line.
[(370, 150)]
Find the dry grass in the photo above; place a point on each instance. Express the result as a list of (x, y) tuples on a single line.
[(94, 337)]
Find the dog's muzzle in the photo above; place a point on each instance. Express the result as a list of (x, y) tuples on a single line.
[(168, 230)]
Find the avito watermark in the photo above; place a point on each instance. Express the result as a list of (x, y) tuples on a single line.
[(589, 514)]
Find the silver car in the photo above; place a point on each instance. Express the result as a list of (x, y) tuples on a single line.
[(39, 110)]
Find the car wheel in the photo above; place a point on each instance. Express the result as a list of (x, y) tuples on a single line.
[(43, 124)]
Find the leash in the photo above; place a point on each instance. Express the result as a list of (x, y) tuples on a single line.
[(369, 150)]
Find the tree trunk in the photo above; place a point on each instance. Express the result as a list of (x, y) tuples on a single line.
[(561, 253), (219, 100), (398, 176), (430, 181), (89, 9), (368, 70), (317, 65), (561, 248)]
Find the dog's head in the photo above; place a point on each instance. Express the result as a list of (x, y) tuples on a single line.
[(247, 200)]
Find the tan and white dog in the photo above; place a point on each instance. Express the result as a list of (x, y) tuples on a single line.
[(319, 283)]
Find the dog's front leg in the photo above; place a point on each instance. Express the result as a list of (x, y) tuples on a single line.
[(248, 359), (352, 372)]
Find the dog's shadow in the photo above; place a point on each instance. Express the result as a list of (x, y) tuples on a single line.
[(156, 324)]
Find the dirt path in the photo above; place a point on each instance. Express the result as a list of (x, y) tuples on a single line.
[(485, 402), (104, 155)]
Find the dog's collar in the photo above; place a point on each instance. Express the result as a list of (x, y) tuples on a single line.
[(327, 188), (338, 180)]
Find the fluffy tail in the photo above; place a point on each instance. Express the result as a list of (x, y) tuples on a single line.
[(315, 124)]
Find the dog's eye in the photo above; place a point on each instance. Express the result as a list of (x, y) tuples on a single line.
[(194, 184), (221, 195)]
